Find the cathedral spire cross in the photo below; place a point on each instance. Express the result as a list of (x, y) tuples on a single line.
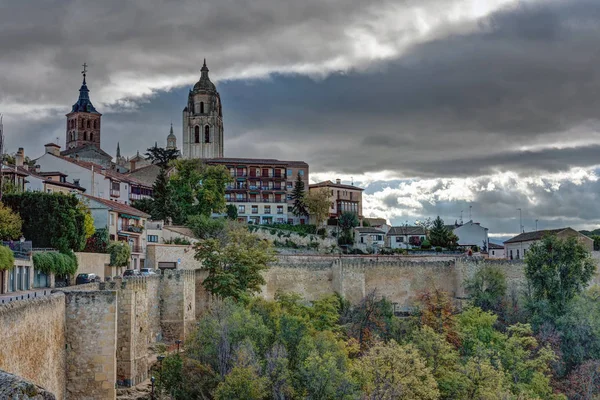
[(84, 72)]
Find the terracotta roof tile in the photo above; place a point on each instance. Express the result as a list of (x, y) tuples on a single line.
[(119, 207)]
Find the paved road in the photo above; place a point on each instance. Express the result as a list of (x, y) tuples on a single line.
[(24, 295)]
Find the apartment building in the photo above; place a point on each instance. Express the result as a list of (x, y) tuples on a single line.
[(261, 188), (343, 198)]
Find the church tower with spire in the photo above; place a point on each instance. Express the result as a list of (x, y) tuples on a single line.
[(203, 120), (171, 140), (83, 122)]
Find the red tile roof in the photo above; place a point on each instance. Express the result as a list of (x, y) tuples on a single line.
[(118, 207), (105, 171), (336, 185)]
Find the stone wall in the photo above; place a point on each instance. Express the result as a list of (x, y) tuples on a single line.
[(202, 296), (33, 341), (93, 263), (399, 279), (91, 342), (178, 306), (171, 253), (281, 235), (15, 387)]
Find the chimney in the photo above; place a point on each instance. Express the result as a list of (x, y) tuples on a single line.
[(19, 157), (53, 149), (338, 181)]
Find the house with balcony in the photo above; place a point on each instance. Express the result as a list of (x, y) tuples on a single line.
[(343, 198), (260, 189), (124, 224)]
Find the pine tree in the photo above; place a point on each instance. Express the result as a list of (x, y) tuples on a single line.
[(298, 195), (439, 235), (162, 209)]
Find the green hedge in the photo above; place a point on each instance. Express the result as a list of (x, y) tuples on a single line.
[(7, 258), (120, 254), (50, 219), (57, 263)]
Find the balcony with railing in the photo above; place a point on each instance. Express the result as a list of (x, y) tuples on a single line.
[(137, 249), (21, 249), (115, 193)]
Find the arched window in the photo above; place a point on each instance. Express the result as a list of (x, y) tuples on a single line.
[(206, 134), (95, 124), (89, 124), (91, 136), (201, 107), (84, 135), (197, 134)]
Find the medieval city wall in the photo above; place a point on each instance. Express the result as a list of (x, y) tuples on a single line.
[(33, 341), (399, 279), (91, 343), (178, 305)]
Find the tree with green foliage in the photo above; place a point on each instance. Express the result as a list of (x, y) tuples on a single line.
[(98, 242), (439, 235), (557, 270), (205, 227), (347, 222), (391, 371), (323, 369), (161, 208), (197, 189), (232, 212), (10, 224), (211, 193), (161, 156), (318, 204), (487, 288), (7, 258), (234, 268), (242, 383), (145, 205), (51, 220), (120, 254), (299, 209)]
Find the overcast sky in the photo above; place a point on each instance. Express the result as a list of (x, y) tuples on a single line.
[(432, 105)]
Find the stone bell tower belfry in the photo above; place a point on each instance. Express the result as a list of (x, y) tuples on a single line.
[(83, 122), (203, 120)]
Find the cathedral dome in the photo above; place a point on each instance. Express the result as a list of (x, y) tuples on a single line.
[(204, 84)]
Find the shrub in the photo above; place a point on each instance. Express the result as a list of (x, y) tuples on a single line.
[(426, 245), (7, 259), (305, 229), (438, 249), (98, 242), (120, 253), (178, 240)]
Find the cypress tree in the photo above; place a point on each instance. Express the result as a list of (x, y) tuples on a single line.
[(299, 209), (161, 209), (439, 235)]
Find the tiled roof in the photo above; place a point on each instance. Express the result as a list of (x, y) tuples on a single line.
[(494, 246), (104, 171), (336, 185), (408, 230), (45, 179), (535, 235), (369, 230), (118, 207), (93, 147), (51, 173), (246, 161), (182, 230)]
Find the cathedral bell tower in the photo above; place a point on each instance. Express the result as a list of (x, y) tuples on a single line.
[(203, 120), (83, 122)]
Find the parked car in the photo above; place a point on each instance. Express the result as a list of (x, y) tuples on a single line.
[(147, 271), (85, 278), (131, 272)]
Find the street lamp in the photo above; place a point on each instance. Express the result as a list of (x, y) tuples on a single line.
[(152, 381)]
